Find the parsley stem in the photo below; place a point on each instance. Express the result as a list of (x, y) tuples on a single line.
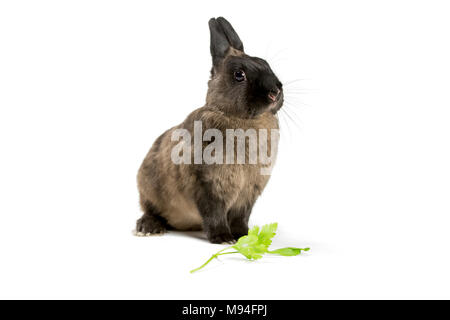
[(221, 254), (214, 256)]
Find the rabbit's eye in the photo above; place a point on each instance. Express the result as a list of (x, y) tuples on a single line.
[(239, 76)]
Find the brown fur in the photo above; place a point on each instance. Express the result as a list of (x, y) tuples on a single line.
[(171, 187), (218, 197)]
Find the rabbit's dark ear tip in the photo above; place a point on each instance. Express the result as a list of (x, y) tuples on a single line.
[(223, 21)]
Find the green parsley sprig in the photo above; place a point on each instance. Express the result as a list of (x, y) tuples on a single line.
[(255, 245)]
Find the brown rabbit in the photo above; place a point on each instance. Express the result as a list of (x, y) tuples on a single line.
[(243, 93)]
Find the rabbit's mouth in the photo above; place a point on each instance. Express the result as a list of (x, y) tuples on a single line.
[(277, 103), (274, 95)]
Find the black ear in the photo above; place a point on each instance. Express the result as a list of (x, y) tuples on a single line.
[(219, 42), (231, 35), (223, 37)]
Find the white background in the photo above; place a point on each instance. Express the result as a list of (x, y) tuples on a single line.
[(362, 176)]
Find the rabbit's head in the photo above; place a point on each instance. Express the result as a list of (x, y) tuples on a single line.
[(240, 85)]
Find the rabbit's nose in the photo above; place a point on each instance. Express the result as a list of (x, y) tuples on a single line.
[(273, 94)]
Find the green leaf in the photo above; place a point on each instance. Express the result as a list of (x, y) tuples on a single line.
[(247, 241), (254, 231), (288, 251), (267, 233), (257, 242), (249, 247)]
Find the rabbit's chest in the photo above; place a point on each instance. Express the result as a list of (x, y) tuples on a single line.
[(239, 181), (238, 185)]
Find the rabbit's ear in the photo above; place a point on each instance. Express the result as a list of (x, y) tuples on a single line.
[(219, 42), (231, 35)]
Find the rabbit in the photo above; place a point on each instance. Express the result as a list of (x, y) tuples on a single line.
[(243, 93)]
